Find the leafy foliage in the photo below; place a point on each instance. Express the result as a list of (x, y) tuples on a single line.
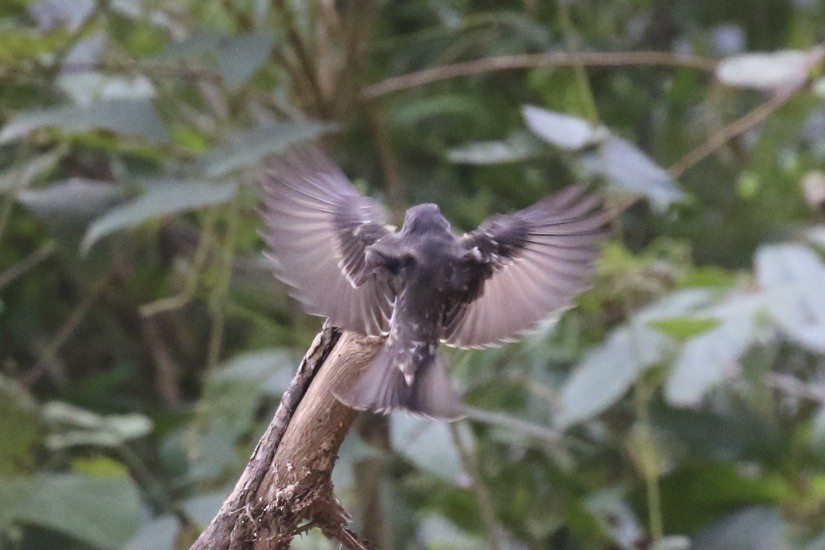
[(143, 343)]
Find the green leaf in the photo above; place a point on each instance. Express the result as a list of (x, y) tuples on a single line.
[(127, 117), (73, 426), (438, 533), (19, 425), (101, 511), (699, 492), (631, 170), (684, 328), (562, 130), (515, 149), (754, 528), (74, 200), (793, 276), (237, 57), (247, 149), (428, 444), (20, 176), (708, 358), (231, 397), (768, 71), (161, 199), (240, 56), (158, 533), (608, 371)]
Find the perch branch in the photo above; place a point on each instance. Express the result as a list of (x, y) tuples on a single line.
[(286, 487)]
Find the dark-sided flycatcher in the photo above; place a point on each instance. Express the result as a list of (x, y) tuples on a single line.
[(422, 284)]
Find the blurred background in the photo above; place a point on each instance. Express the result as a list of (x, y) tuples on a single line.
[(144, 344)]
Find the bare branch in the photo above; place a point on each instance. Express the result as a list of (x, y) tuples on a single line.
[(732, 130), (286, 487), (527, 61)]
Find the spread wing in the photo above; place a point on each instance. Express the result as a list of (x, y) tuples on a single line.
[(538, 259), (317, 227)]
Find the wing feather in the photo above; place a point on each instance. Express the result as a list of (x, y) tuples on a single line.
[(317, 227), (539, 259)]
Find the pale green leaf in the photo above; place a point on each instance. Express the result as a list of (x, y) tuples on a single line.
[(20, 176), (249, 148), (240, 56), (755, 528), (713, 355), (793, 276), (160, 533), (683, 328), (428, 444), (101, 511), (562, 130), (631, 170), (767, 71), (161, 199), (127, 117), (72, 200), (608, 371), (515, 149)]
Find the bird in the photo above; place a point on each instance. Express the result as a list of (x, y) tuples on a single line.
[(422, 283)]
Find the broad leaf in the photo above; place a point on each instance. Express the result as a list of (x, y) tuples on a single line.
[(608, 371), (158, 533), (562, 130), (127, 117), (163, 198), (101, 511), (631, 170), (794, 277), (714, 354), (767, 71), (72, 200), (428, 444), (20, 176), (240, 56), (755, 528), (248, 149), (515, 149), (236, 57)]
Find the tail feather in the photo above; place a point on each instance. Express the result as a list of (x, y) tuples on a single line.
[(382, 388)]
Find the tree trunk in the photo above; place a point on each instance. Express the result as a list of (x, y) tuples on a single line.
[(286, 488)]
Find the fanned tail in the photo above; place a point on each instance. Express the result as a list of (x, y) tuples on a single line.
[(382, 388)]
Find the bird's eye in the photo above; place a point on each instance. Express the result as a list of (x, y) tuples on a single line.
[(396, 264)]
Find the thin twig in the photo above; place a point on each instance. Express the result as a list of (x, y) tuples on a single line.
[(307, 67), (573, 47), (190, 286), (27, 263), (166, 373), (220, 293), (49, 355), (5, 213), (734, 129), (526, 61), (389, 163), (486, 509)]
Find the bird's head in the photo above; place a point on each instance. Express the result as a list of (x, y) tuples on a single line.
[(425, 217)]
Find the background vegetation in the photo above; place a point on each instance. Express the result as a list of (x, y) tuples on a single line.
[(144, 344)]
